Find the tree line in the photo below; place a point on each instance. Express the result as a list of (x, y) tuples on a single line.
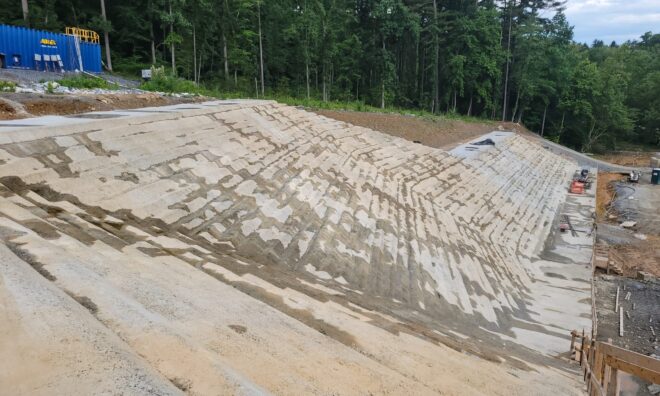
[(511, 60)]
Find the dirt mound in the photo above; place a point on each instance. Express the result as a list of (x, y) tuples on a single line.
[(433, 132), (7, 112), (43, 104), (46, 106), (639, 159), (640, 256)]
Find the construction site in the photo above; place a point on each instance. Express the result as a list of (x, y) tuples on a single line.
[(250, 247)]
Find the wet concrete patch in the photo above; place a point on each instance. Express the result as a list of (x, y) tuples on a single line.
[(182, 383), (553, 275), (26, 256), (146, 111), (42, 228), (238, 328), (84, 301), (7, 125), (95, 116), (128, 176), (304, 316)]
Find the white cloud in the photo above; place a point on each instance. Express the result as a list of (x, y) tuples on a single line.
[(609, 20), (577, 6), (635, 19)]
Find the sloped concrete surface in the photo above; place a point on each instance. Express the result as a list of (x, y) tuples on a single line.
[(251, 247), (47, 338)]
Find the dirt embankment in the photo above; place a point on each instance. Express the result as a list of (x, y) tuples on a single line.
[(634, 253), (641, 256), (434, 132), (23, 105), (605, 192), (628, 158)]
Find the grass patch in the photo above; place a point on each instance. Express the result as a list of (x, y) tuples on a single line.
[(363, 107), (161, 81), (86, 82), (171, 84), (7, 86)]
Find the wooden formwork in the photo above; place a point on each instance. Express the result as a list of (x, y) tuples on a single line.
[(602, 361), (607, 259)]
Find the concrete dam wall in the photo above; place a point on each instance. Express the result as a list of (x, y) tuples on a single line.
[(184, 232)]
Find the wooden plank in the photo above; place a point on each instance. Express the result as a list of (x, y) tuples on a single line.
[(614, 383), (629, 356), (597, 367), (582, 354), (596, 389), (588, 375), (630, 368), (591, 356), (616, 302), (606, 378), (572, 341)]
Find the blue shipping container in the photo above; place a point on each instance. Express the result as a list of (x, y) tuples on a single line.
[(23, 48)]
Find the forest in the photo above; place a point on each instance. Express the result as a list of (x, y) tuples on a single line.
[(512, 60)]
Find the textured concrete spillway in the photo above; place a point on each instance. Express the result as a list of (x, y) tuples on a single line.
[(252, 247)]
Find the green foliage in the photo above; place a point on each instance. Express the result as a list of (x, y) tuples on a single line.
[(129, 66), (98, 24), (50, 87), (173, 38), (7, 86), (86, 82), (163, 82)]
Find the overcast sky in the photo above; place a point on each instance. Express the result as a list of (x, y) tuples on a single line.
[(608, 20)]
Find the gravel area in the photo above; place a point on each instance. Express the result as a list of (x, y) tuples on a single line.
[(639, 301), (27, 77)]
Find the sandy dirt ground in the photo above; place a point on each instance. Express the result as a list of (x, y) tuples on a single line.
[(643, 255), (637, 248), (24, 105)]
